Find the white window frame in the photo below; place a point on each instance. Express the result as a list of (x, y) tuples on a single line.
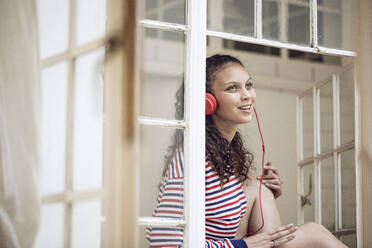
[(193, 125), (334, 153)]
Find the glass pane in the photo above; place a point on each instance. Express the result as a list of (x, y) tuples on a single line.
[(326, 117), (350, 240), (348, 191), (335, 23), (54, 108), (236, 16), (308, 125), (270, 20), (347, 107), (90, 21), (160, 237), (167, 11), (86, 224), (53, 17), (161, 172), (51, 232), (162, 76), (87, 129), (307, 197), (328, 193), (299, 24), (329, 29)]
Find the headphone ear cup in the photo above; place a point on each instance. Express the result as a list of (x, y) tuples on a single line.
[(210, 104)]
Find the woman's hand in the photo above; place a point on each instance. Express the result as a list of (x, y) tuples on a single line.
[(282, 235), (272, 179)]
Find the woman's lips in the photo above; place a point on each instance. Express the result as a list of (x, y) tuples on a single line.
[(246, 108)]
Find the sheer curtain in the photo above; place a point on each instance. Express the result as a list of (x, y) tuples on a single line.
[(19, 123)]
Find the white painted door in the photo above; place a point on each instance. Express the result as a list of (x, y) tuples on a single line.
[(327, 165)]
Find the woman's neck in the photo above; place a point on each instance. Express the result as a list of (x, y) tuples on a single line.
[(227, 130)]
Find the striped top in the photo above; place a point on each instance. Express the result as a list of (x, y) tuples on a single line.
[(224, 208)]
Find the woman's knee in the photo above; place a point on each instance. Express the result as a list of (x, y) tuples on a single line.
[(314, 227)]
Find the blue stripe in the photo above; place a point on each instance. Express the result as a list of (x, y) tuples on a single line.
[(236, 195), (180, 160), (174, 183), (216, 191), (165, 240), (177, 229), (171, 194), (170, 206), (224, 228), (219, 237), (212, 181), (226, 210), (172, 169)]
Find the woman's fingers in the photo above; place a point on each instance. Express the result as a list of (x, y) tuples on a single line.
[(272, 186), (271, 171), (283, 232), (284, 240), (272, 181)]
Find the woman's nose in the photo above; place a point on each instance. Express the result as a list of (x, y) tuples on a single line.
[(246, 94)]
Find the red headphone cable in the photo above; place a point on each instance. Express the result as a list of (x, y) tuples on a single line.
[(260, 189)]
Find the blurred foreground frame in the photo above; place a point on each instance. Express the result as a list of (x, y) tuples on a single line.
[(119, 152)]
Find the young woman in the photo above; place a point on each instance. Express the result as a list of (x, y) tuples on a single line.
[(232, 205)]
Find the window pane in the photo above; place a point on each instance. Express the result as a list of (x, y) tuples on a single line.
[(350, 240), (51, 232), (326, 117), (308, 125), (54, 107), (161, 152), (90, 21), (237, 17), (299, 24), (87, 129), (328, 193), (53, 19), (308, 202), (162, 76), (270, 20), (348, 192), (86, 224), (347, 107), (167, 11), (335, 23), (329, 29)]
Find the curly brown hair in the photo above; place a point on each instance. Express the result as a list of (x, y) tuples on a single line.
[(227, 158)]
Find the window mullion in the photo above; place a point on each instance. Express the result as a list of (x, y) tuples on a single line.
[(69, 132), (313, 23), (336, 139), (258, 19), (316, 102), (195, 124)]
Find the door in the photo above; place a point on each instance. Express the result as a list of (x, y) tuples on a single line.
[(327, 165)]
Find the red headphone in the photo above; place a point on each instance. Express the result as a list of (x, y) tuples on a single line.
[(210, 104)]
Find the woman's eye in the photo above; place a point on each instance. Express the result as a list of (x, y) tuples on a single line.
[(232, 88), (249, 85)]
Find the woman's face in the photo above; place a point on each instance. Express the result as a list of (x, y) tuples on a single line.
[(235, 95)]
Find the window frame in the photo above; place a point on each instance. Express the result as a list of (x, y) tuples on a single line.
[(335, 153), (69, 196)]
